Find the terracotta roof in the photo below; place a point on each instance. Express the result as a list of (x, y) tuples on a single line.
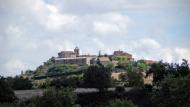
[(149, 61), (104, 59)]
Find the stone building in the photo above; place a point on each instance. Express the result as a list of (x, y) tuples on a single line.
[(66, 54), (76, 60), (104, 60), (76, 51), (122, 53), (74, 57)]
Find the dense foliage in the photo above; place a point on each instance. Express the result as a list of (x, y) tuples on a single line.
[(121, 103), (54, 98), (6, 93), (97, 77), (174, 92), (19, 83), (42, 69), (73, 81), (133, 77), (58, 69), (172, 85)]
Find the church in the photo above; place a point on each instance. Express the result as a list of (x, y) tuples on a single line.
[(74, 57)]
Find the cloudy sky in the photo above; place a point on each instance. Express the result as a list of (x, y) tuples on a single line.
[(31, 31)]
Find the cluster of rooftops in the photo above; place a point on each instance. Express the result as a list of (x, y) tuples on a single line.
[(74, 57)]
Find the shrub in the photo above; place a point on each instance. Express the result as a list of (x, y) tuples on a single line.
[(120, 89), (97, 77), (63, 97), (121, 103), (6, 93)]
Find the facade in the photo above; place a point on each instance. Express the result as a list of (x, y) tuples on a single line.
[(122, 53), (104, 60), (66, 54), (77, 61), (74, 57), (148, 79), (76, 51)]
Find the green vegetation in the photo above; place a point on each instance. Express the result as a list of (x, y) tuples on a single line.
[(19, 83), (174, 92), (97, 77), (61, 68), (6, 105), (42, 69), (73, 81), (172, 85), (6, 93), (142, 66), (134, 79), (63, 97), (121, 103), (120, 59), (133, 76)]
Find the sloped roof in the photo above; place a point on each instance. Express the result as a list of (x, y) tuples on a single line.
[(104, 59)]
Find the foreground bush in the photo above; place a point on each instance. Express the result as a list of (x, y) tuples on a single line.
[(6, 105), (6, 93), (54, 98), (174, 92), (19, 83), (121, 103)]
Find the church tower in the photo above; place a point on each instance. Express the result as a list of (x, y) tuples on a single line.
[(76, 50)]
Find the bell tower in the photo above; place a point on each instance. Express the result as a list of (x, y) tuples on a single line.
[(76, 50)]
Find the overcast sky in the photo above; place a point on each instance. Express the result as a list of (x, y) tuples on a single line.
[(31, 31)]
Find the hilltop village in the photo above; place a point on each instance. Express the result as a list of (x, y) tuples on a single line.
[(74, 57), (71, 63)]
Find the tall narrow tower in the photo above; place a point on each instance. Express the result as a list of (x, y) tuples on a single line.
[(76, 50)]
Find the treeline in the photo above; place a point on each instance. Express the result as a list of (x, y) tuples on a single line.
[(171, 84)]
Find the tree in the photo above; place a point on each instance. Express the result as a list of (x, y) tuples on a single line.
[(50, 61), (142, 66), (172, 82), (6, 105), (6, 93), (183, 70), (110, 66), (174, 92), (121, 103), (20, 83), (159, 72), (63, 97), (58, 69), (97, 77), (120, 59), (73, 81), (135, 79)]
